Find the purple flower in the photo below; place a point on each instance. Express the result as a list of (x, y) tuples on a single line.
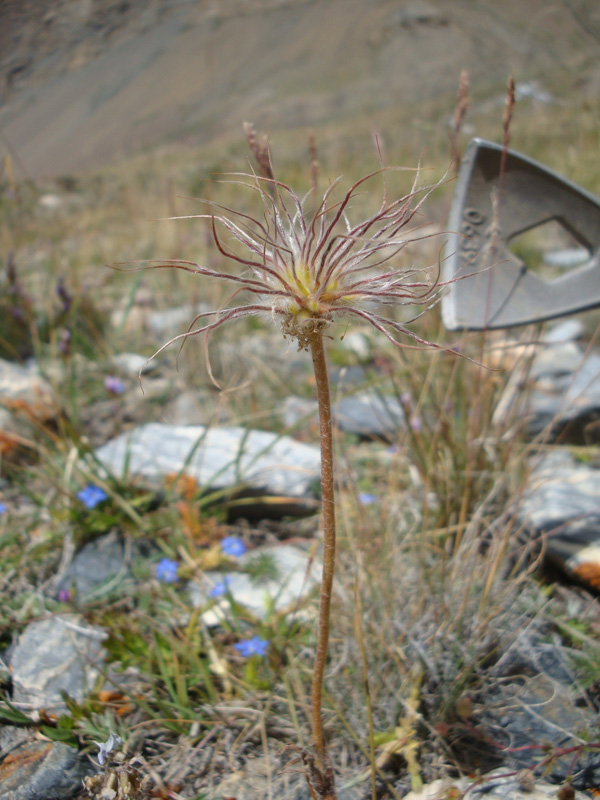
[(220, 587), (2, 508), (105, 748), (64, 342), (366, 499), (64, 294), (64, 596), (233, 546), (92, 495), (166, 570), (114, 385), (252, 647), (416, 424)]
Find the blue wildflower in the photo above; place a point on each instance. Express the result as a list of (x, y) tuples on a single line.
[(2, 508), (220, 587), (92, 495), (233, 546), (252, 647), (166, 570), (366, 499)]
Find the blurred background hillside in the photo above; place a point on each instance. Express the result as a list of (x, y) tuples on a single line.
[(87, 82)]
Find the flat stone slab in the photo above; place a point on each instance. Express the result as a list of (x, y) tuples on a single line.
[(26, 400), (100, 564), (37, 770), (23, 388), (216, 457), (494, 786), (567, 258), (54, 655), (562, 504), (366, 414), (568, 330), (370, 416), (173, 320), (537, 700), (563, 397), (132, 364), (299, 410), (295, 574)]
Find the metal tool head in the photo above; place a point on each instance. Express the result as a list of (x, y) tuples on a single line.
[(497, 200)]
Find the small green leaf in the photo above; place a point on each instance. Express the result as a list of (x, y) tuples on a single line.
[(12, 716), (384, 737), (59, 735)]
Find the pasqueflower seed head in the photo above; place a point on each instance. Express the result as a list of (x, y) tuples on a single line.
[(308, 269)]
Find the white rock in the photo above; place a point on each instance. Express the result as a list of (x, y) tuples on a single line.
[(298, 409), (493, 786), (50, 201), (358, 343), (173, 320), (566, 258), (296, 575), (533, 90), (22, 388), (370, 415), (215, 457), (188, 409), (566, 331), (52, 655), (132, 364), (563, 358)]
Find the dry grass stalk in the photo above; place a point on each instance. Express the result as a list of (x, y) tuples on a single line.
[(508, 111), (260, 150), (460, 111), (509, 107), (314, 161)]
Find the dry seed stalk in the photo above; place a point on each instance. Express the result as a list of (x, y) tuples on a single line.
[(317, 348), (460, 111), (314, 161)]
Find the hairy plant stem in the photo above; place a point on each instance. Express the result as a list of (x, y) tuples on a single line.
[(317, 349)]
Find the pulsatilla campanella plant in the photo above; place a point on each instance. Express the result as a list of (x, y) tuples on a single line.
[(308, 270)]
